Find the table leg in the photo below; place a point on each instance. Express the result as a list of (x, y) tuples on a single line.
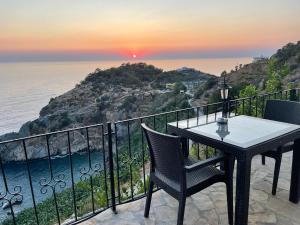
[(295, 177), (242, 190)]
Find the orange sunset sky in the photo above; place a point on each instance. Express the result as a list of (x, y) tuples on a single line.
[(147, 28)]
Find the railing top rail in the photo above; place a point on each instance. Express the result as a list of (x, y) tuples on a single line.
[(262, 95), (165, 113)]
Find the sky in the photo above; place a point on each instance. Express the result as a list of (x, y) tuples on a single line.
[(116, 29)]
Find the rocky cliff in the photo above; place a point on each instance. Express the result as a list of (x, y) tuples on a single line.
[(128, 91)]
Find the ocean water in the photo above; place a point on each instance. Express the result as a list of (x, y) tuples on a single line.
[(26, 87)]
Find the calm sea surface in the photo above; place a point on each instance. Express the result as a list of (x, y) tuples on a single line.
[(26, 87)]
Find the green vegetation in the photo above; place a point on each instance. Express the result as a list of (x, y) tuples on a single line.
[(276, 71), (129, 75)]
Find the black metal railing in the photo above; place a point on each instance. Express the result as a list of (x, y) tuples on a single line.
[(83, 171)]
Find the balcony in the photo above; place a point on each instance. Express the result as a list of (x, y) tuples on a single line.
[(106, 166)]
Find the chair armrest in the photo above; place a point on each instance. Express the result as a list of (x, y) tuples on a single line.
[(204, 163)]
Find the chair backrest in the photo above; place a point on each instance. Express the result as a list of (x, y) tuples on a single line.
[(166, 154), (283, 111)]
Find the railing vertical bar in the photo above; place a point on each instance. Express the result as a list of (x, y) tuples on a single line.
[(117, 161), (207, 114), (177, 117), (130, 157), (263, 105), (52, 177), (256, 105), (30, 182), (72, 175), (90, 167), (243, 105), (188, 118), (236, 107), (250, 106), (104, 165), (197, 115), (143, 158), (111, 167), (166, 123)]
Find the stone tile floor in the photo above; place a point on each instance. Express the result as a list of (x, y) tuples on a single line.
[(209, 206)]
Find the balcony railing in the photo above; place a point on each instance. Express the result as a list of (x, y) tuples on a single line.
[(86, 170)]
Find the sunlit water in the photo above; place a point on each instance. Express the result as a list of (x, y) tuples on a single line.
[(26, 87)]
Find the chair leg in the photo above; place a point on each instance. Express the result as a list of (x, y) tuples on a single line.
[(148, 200), (263, 160), (181, 208), (276, 174)]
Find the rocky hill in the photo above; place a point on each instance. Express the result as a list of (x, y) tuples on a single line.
[(256, 73), (128, 91)]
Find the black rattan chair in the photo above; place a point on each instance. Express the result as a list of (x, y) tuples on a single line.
[(282, 111), (182, 177)]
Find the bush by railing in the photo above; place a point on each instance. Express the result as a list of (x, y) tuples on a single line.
[(98, 166)]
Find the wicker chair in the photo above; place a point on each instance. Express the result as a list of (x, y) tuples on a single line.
[(282, 111), (182, 177)]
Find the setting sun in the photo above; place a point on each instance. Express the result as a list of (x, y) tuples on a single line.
[(134, 56)]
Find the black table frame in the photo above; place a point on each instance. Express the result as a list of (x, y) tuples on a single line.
[(244, 157)]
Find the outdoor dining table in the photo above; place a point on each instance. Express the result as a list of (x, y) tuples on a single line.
[(244, 137)]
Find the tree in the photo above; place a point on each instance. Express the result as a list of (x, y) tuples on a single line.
[(274, 83), (248, 106), (224, 73)]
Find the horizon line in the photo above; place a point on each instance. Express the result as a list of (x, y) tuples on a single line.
[(67, 56)]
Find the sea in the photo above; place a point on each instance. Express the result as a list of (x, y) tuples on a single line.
[(26, 87)]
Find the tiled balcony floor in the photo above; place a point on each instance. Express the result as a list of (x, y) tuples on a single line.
[(209, 206)]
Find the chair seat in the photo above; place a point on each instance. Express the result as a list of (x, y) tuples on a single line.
[(274, 152), (194, 178), (199, 176)]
